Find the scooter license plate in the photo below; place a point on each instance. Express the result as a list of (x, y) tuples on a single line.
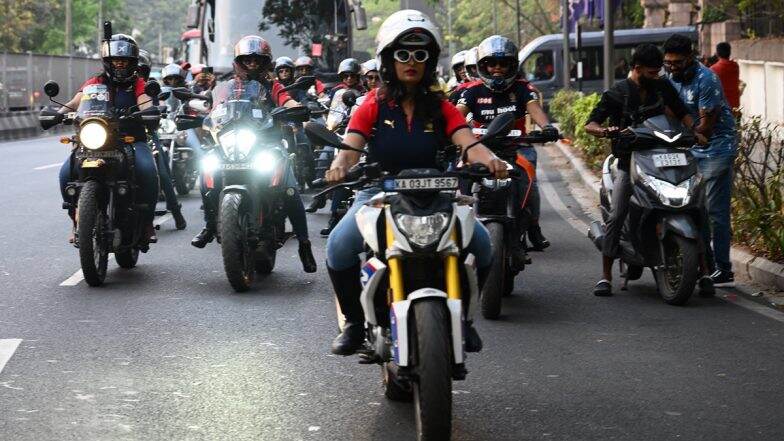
[(440, 183), (670, 160)]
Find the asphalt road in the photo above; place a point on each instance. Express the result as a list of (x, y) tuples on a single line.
[(167, 351)]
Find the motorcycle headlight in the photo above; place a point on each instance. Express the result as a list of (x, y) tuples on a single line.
[(93, 135), (669, 194), (237, 142), (168, 126), (210, 163), (422, 230), (265, 162)]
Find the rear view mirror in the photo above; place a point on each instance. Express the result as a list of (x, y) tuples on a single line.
[(349, 98), (185, 122), (360, 18), (192, 19), (318, 134), (499, 126), (163, 96), (51, 89), (152, 88)]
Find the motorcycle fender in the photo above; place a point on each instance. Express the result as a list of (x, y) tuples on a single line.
[(372, 273), (367, 220), (681, 224), (235, 189), (399, 324), (467, 218)]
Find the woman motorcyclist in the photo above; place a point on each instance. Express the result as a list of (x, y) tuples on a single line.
[(203, 78), (252, 56), (348, 72), (466, 74), (405, 123), (284, 70), (162, 160), (120, 57), (305, 67), (458, 67), (173, 75), (370, 75), (501, 90)]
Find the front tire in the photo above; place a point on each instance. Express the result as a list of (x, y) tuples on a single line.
[(93, 251), (490, 301), (238, 259), (432, 385), (677, 278), (127, 259)]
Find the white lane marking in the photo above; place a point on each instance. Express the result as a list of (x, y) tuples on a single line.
[(7, 348), (74, 279), (78, 276), (555, 201), (44, 167)]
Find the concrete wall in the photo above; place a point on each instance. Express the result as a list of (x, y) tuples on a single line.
[(762, 69)]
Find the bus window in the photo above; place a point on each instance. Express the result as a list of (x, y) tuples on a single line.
[(539, 66)]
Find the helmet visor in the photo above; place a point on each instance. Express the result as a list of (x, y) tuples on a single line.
[(119, 49), (252, 46)]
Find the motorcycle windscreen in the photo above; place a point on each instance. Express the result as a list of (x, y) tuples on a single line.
[(95, 102), (337, 110), (235, 99)]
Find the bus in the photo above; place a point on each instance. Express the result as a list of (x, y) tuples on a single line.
[(541, 60)]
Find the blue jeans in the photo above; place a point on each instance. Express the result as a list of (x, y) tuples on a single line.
[(146, 179), (717, 175), (165, 175), (345, 243)]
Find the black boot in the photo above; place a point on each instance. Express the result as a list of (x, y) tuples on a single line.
[(473, 343), (333, 220), (179, 220), (347, 290), (306, 257), (316, 204), (204, 237), (538, 241)]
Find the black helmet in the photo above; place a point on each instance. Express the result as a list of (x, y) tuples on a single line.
[(144, 65), (120, 46), (497, 48), (349, 66)]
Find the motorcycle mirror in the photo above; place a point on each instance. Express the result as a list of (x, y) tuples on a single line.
[(303, 82), (360, 17), (499, 126), (152, 88), (48, 118), (51, 89), (349, 98), (185, 122), (163, 96), (319, 134)]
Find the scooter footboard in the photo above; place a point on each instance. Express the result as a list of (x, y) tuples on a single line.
[(399, 314)]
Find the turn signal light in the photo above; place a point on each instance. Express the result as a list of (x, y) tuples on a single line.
[(65, 140)]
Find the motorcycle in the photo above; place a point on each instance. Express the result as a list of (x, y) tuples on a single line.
[(417, 281), (247, 163), (500, 208), (661, 230), (103, 199)]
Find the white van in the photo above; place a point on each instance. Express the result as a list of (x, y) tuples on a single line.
[(542, 60)]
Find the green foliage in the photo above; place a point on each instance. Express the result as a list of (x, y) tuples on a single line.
[(758, 199), (377, 11), (572, 109)]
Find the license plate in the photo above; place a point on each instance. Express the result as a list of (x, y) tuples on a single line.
[(166, 136), (110, 154), (240, 166), (441, 183), (512, 133), (670, 160)]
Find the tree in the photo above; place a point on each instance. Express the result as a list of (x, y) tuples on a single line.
[(298, 21)]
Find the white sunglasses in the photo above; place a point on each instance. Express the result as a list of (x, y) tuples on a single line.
[(404, 55)]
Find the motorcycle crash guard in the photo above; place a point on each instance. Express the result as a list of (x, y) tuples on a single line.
[(399, 324), (681, 224)]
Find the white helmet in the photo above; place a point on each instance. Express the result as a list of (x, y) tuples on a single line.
[(458, 58), (173, 70), (369, 66), (407, 21), (471, 62)]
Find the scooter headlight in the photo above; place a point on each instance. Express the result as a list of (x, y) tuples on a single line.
[(669, 194), (210, 163), (265, 162), (422, 230), (93, 135)]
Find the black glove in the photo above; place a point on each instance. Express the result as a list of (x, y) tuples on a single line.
[(551, 133)]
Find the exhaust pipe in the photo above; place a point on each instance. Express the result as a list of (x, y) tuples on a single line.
[(596, 234)]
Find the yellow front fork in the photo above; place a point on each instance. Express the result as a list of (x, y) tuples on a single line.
[(396, 274)]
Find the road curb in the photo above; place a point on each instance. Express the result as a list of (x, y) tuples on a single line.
[(754, 268)]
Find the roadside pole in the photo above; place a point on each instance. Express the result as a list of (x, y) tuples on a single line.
[(609, 43), (565, 59)]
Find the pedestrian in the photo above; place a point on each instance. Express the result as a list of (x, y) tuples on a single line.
[(701, 91), (729, 74)]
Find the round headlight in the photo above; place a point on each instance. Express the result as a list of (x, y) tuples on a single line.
[(265, 162), (93, 135)]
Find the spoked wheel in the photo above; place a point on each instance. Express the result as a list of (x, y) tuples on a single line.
[(93, 246), (238, 257), (677, 276), (432, 385), (490, 301)]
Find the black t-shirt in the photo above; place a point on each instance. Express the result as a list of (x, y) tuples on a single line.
[(623, 106)]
